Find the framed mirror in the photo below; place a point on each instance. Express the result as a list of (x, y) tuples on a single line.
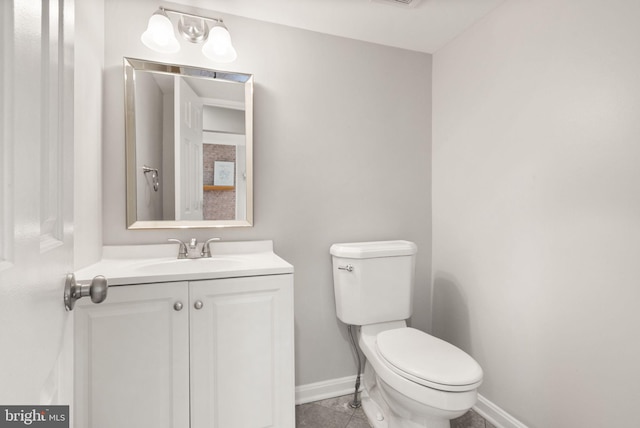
[(189, 146)]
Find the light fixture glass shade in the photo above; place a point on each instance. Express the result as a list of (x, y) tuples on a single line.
[(218, 47), (159, 35)]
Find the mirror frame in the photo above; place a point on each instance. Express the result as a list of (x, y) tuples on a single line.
[(130, 66)]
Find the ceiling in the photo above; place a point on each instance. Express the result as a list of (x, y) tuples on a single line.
[(425, 28)]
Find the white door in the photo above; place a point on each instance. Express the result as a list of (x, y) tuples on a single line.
[(36, 200), (188, 155), (132, 358)]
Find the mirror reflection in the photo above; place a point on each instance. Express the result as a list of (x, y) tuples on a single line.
[(189, 146)]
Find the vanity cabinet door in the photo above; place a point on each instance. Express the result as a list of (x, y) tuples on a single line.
[(242, 368), (132, 358)]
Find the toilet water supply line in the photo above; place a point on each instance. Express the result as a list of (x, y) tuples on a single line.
[(355, 403)]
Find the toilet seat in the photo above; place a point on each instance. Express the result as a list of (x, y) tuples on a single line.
[(427, 360)]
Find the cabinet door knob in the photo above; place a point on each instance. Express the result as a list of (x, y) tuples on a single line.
[(177, 306), (198, 304)]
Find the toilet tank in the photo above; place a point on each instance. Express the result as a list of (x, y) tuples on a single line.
[(373, 281)]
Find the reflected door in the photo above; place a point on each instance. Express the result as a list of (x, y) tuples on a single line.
[(189, 193)]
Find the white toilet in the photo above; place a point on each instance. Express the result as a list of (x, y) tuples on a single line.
[(411, 379)]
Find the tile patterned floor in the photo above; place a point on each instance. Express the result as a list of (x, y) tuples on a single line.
[(330, 413), (471, 420), (335, 413)]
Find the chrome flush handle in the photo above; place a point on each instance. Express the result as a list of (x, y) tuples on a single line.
[(348, 268)]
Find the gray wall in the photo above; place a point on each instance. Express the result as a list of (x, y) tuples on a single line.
[(536, 208), (149, 139), (342, 153), (223, 119), (88, 109)]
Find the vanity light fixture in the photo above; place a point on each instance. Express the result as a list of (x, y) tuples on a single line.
[(161, 37)]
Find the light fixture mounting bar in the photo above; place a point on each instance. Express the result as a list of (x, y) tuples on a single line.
[(191, 15)]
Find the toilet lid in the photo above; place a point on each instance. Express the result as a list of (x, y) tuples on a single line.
[(428, 360)]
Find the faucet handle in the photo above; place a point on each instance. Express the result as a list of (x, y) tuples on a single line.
[(182, 251), (193, 243), (206, 250)]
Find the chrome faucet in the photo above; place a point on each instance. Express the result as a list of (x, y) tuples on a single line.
[(185, 250), (206, 249), (182, 250), (193, 244)]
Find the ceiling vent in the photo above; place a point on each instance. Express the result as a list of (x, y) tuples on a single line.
[(401, 3)]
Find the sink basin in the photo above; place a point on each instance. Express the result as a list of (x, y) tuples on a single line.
[(148, 264), (178, 266)]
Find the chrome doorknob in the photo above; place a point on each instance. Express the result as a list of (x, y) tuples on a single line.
[(177, 306), (98, 289), (198, 304), (73, 291)]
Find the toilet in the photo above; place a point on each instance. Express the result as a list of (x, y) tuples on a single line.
[(411, 379)]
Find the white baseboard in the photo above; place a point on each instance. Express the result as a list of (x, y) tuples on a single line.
[(342, 386), (495, 414), (325, 389)]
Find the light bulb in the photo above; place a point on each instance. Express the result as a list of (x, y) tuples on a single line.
[(218, 47), (159, 35)]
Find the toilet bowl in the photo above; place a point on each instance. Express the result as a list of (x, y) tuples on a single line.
[(411, 379), (415, 387)]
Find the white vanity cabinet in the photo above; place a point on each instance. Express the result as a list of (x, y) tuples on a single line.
[(131, 358), (215, 353), (242, 352)]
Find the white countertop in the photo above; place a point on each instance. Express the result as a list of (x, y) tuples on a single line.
[(142, 264)]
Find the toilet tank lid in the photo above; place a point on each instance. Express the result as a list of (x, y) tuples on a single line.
[(367, 250)]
